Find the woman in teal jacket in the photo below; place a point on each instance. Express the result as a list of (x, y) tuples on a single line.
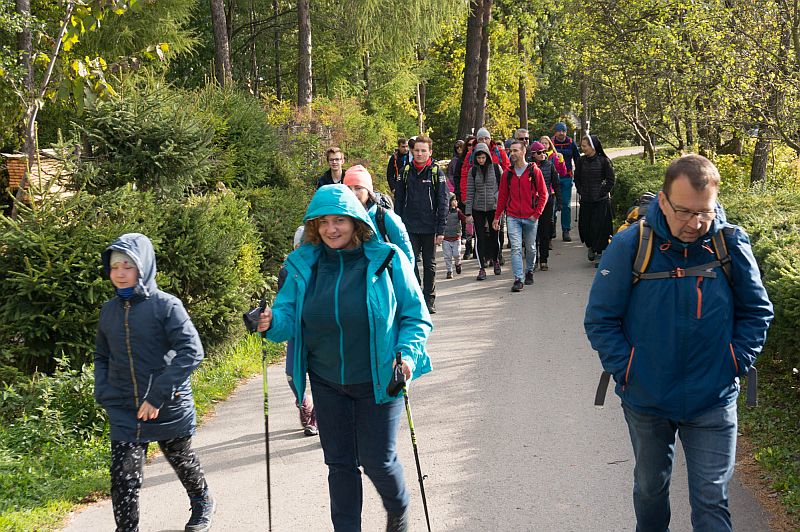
[(351, 303)]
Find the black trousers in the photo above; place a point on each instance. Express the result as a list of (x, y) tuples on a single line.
[(488, 241), (127, 465), (545, 230), (425, 244)]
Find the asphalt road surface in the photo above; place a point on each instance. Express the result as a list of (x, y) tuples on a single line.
[(506, 427)]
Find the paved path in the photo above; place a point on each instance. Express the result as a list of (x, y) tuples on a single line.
[(506, 429)]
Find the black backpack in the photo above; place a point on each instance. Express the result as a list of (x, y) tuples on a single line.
[(380, 221)]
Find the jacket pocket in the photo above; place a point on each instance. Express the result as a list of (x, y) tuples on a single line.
[(628, 369)]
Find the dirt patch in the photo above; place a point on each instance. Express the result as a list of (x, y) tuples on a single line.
[(750, 473)]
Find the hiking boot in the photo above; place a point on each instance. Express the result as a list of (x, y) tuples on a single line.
[(431, 307), (306, 412), (481, 275), (397, 522), (497, 270), (449, 275), (202, 511), (543, 267), (591, 255), (458, 269), (518, 286), (565, 236), (311, 429), (529, 278)]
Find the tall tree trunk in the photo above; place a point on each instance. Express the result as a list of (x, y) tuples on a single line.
[(679, 134), (420, 114), (222, 50), (483, 72), (304, 72), (586, 124), (229, 16), (687, 124), (758, 170), (25, 45), (277, 52), (253, 55), (471, 66), (523, 89), (367, 81)]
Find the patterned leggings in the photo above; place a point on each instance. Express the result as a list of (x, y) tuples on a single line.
[(127, 464)]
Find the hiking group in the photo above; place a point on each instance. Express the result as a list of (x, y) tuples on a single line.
[(356, 313)]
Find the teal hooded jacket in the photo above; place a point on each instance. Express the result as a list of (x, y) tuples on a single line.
[(399, 321)]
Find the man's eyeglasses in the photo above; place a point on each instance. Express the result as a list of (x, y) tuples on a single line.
[(684, 215), (526, 139), (335, 160)]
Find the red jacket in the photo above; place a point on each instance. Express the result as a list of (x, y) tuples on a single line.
[(499, 156), (517, 200)]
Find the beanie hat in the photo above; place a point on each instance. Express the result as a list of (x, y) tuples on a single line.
[(118, 256), (482, 132), (358, 176), (561, 126), (537, 146), (298, 236)]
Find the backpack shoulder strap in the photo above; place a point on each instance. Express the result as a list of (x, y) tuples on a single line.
[(644, 250), (380, 220), (406, 169), (498, 172), (386, 264), (721, 251)]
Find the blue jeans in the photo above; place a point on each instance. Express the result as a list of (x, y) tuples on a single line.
[(519, 229), (566, 203), (354, 431), (709, 443)]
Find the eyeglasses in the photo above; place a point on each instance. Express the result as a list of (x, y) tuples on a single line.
[(538, 152), (526, 139), (335, 160), (684, 215)]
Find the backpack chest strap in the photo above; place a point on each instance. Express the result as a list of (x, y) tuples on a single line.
[(703, 270)]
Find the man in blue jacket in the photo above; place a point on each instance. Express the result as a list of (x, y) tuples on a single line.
[(566, 147), (420, 199), (677, 341)]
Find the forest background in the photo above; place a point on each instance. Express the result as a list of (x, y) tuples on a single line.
[(202, 124)]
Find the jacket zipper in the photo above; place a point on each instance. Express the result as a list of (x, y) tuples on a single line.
[(133, 372), (699, 298), (336, 313), (735, 362)]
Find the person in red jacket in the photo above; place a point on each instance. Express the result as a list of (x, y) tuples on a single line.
[(522, 196), (499, 156)]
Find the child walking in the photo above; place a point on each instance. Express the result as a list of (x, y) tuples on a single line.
[(451, 246), (146, 348)]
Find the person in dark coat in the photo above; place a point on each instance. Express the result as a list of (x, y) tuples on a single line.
[(146, 349), (594, 179), (551, 179)]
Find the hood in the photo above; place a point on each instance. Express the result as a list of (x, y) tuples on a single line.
[(139, 248), (482, 148), (336, 199), (597, 145), (655, 217)]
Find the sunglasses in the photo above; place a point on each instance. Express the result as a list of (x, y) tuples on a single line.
[(539, 152), (524, 138)]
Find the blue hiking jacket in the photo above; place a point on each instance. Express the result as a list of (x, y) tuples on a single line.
[(676, 347), (145, 350), (398, 318)]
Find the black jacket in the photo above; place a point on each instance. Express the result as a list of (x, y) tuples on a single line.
[(394, 168), (327, 178), (551, 178), (420, 198), (594, 178)]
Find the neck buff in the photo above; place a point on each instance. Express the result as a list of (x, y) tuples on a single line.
[(125, 293)]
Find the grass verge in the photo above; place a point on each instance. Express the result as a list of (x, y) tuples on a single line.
[(47, 466)]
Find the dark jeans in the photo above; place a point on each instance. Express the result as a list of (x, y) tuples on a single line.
[(545, 229), (127, 464), (354, 431), (709, 443), (488, 243), (425, 243)]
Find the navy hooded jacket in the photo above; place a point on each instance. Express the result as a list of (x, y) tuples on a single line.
[(676, 347), (146, 349)]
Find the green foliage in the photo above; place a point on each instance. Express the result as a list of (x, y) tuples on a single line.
[(277, 213), (151, 138), (51, 286), (251, 154)]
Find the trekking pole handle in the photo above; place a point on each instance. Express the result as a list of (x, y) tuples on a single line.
[(398, 382)]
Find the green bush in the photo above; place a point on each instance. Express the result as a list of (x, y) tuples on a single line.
[(277, 213), (151, 137), (251, 151), (634, 177), (52, 287)]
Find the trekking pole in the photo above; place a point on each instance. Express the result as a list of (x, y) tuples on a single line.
[(251, 323), (397, 384)]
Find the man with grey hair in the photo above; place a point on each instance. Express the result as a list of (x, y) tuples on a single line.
[(678, 314)]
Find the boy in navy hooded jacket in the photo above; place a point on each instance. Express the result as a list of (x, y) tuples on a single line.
[(146, 349)]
